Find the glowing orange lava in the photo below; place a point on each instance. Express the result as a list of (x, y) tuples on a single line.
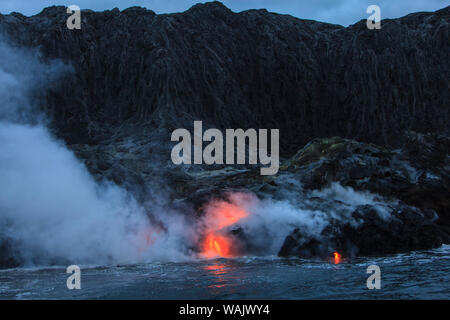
[(220, 215), (337, 257), (217, 246)]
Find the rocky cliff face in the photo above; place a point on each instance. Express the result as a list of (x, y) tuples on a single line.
[(249, 69), (137, 76)]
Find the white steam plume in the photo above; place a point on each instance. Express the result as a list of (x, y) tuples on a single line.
[(50, 206)]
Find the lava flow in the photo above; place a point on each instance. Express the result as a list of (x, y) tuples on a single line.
[(217, 243), (337, 257), (217, 246)]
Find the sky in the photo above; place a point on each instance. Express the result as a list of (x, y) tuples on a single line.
[(344, 12)]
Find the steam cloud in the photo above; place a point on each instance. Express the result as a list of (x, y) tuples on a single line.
[(50, 207)]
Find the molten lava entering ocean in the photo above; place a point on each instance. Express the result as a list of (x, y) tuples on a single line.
[(217, 243)]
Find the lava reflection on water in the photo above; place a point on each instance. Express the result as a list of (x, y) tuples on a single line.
[(218, 270)]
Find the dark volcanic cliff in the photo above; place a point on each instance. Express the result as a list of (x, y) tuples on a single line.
[(249, 69), (138, 75)]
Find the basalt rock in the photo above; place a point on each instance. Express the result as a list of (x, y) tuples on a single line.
[(135, 70), (413, 181), (402, 174), (407, 229)]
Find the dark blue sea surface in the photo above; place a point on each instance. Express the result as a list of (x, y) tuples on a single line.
[(416, 275)]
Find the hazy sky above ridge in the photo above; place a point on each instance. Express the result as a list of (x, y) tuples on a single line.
[(343, 12)]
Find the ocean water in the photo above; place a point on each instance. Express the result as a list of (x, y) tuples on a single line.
[(416, 275)]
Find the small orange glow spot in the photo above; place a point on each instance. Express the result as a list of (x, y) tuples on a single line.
[(337, 257)]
